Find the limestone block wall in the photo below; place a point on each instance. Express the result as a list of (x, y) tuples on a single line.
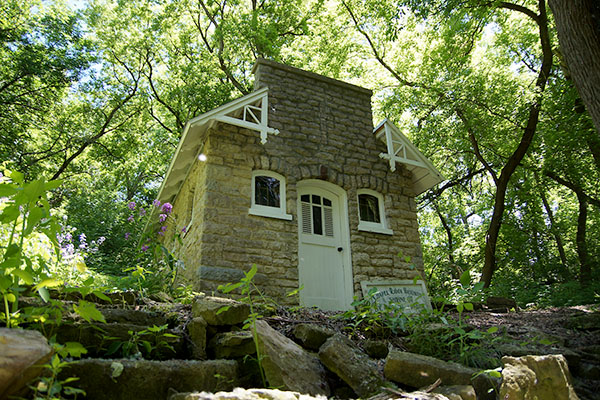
[(326, 132)]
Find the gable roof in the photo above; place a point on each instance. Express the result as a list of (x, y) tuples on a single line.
[(401, 150), (250, 112)]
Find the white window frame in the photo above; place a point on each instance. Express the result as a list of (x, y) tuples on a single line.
[(266, 211), (369, 226)]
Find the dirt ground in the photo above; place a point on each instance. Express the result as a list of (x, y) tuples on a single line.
[(546, 331)]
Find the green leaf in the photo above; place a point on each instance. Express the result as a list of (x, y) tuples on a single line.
[(465, 279), (88, 311), (10, 297), (51, 185), (117, 369), (7, 189), (223, 309), (17, 177), (75, 349), (44, 294), (34, 189), (101, 296), (35, 215), (10, 214), (460, 307), (5, 282), (24, 275), (113, 348), (493, 329), (155, 328), (147, 346), (230, 287), (55, 361), (469, 306), (250, 274), (48, 282), (13, 262), (12, 250)]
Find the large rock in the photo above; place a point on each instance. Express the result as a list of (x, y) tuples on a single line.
[(541, 377), (417, 370), (97, 337), (376, 348), (515, 350), (287, 365), (197, 333), (150, 380), (220, 311), (586, 322), (134, 317), (232, 344), (312, 336), (245, 394), (354, 367), (21, 355), (457, 392)]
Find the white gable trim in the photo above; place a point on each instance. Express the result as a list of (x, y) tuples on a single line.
[(250, 112), (401, 150)]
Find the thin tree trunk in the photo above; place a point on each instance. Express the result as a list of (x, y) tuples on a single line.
[(585, 267), (513, 162), (553, 229), (456, 270)]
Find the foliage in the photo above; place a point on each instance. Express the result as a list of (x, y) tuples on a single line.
[(252, 296), (148, 343), (25, 216), (436, 332), (369, 318), (99, 97), (50, 387)]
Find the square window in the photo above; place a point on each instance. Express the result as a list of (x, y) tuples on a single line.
[(266, 191), (368, 206), (268, 195), (371, 212)]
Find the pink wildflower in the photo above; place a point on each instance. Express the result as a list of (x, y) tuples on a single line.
[(145, 247), (156, 203), (130, 218), (131, 205), (127, 235), (162, 217)]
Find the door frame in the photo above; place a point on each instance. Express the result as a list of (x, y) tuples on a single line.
[(344, 231)]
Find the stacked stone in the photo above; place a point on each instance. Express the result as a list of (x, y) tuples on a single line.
[(326, 132)]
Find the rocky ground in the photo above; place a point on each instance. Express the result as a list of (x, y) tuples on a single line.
[(206, 340), (572, 331)]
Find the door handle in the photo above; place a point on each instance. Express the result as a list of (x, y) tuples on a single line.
[(340, 249)]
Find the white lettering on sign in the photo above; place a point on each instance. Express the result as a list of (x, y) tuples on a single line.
[(407, 294)]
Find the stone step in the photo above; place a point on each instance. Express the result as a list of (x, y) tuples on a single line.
[(97, 338), (123, 379)]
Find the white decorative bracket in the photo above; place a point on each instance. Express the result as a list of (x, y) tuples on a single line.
[(397, 150), (252, 116)]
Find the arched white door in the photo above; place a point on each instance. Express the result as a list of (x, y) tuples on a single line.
[(324, 263)]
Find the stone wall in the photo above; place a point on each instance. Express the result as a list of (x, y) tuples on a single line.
[(326, 132)]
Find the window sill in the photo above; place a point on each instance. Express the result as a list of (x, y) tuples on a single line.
[(275, 213), (374, 229)]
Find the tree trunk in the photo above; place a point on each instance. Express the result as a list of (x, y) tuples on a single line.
[(585, 267), (456, 270), (511, 165), (578, 26), (553, 229)]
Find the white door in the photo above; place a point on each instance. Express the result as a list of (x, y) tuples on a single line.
[(323, 249)]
